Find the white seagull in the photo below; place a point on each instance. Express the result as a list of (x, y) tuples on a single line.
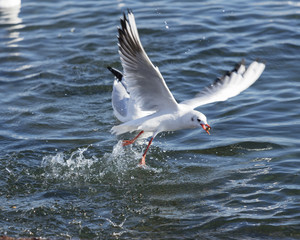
[(142, 100)]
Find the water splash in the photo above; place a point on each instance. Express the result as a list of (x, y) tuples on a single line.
[(127, 158), (121, 159), (72, 166), (82, 165)]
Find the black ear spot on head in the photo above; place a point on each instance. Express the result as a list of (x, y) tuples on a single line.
[(192, 119)]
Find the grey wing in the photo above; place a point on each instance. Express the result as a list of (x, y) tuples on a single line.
[(145, 83), (230, 85), (120, 100)]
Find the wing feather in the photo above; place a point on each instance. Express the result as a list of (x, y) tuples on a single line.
[(145, 82), (230, 85)]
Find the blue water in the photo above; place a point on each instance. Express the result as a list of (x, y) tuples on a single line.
[(63, 175)]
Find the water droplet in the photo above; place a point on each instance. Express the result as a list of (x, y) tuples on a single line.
[(167, 27)]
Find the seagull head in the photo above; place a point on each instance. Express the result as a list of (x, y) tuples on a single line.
[(198, 119)]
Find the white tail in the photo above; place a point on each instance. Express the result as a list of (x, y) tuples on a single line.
[(122, 128)]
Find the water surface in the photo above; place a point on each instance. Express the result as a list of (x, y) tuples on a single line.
[(63, 175)]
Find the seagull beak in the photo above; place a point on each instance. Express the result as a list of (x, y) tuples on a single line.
[(206, 127)]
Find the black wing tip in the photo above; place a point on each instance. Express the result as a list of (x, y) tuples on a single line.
[(128, 42), (124, 19), (237, 66), (219, 79), (116, 73), (121, 32), (260, 61), (228, 73), (236, 69)]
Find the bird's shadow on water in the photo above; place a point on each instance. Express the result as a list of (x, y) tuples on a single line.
[(84, 165)]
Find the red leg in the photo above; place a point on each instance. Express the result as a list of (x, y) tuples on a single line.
[(143, 161), (128, 142)]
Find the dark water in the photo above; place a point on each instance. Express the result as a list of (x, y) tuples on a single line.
[(63, 175)]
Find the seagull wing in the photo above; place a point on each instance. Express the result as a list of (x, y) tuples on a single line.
[(230, 85), (145, 83)]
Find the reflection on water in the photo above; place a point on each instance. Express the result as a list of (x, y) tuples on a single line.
[(9, 3), (9, 18)]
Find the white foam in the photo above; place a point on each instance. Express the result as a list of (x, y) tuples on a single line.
[(68, 166), (78, 166)]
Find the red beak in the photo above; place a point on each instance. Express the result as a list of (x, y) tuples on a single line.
[(206, 127)]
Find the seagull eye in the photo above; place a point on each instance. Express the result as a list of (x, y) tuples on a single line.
[(198, 120)]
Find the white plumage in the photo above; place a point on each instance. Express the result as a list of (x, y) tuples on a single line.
[(142, 100)]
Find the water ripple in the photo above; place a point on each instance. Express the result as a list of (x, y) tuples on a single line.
[(63, 175)]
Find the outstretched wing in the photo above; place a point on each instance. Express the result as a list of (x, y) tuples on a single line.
[(230, 85), (145, 83)]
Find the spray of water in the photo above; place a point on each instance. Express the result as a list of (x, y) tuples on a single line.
[(74, 166), (84, 165)]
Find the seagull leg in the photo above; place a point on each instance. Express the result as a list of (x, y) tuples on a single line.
[(143, 161), (128, 142)]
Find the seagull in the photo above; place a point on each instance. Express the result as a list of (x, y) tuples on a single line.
[(143, 102)]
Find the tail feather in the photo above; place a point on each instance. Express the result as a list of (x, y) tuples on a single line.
[(116, 72), (123, 128)]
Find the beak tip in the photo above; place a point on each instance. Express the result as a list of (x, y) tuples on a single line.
[(206, 127)]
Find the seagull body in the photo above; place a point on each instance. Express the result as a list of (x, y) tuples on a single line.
[(142, 100), (168, 120)]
